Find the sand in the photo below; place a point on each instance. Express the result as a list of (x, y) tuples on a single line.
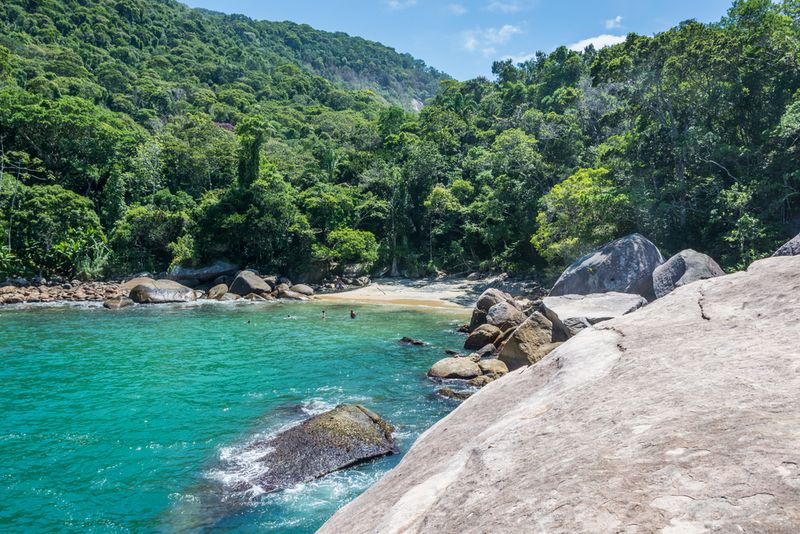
[(438, 293)]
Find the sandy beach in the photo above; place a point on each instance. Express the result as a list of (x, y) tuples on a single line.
[(438, 293)]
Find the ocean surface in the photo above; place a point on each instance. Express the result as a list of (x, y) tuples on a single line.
[(138, 420)]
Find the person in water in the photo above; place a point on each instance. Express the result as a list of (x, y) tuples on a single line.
[(323, 315), (352, 314)]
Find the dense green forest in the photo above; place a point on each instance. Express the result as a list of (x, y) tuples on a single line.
[(139, 134)]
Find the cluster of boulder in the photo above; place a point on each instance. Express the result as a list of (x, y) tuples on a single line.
[(614, 280), (18, 291), (247, 284)]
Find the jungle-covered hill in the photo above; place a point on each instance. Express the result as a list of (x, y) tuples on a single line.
[(139, 134)]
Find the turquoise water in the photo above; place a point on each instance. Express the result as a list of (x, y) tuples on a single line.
[(137, 420)]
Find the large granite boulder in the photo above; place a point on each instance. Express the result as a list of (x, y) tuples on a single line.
[(684, 268), (505, 315), (247, 282), (482, 336), (790, 248), (681, 417), (217, 292), (455, 368), (117, 303), (303, 289), (625, 266), (342, 437), (203, 274), (572, 313), (161, 292), (493, 296), (530, 342)]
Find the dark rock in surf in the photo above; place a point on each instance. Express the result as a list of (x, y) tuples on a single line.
[(345, 436), (162, 292)]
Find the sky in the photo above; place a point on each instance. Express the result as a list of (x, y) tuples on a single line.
[(464, 37)]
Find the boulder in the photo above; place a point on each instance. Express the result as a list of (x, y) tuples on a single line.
[(288, 294), (493, 296), (624, 266), (453, 394), (229, 297), (411, 341), (258, 298), (528, 343), (683, 268), (486, 350), (681, 417), (483, 380), (505, 315), (572, 313), (162, 292), (455, 368), (247, 282), (116, 303), (203, 274), (482, 336), (303, 289), (217, 292), (478, 318), (493, 367), (790, 248), (342, 437)]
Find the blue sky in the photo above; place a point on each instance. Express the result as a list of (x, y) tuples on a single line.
[(463, 37)]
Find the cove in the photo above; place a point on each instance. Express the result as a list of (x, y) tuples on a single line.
[(137, 420)]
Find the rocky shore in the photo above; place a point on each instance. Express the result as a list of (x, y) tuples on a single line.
[(648, 395)]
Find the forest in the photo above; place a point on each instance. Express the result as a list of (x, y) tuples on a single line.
[(138, 135)]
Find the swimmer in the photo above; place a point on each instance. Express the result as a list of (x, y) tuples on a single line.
[(353, 314)]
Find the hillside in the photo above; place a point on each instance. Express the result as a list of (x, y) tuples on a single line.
[(141, 135), (119, 50)]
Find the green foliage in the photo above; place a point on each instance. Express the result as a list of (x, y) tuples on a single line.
[(353, 246), (580, 213)]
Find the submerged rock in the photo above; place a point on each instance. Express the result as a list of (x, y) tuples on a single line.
[(453, 394), (684, 268), (411, 341), (116, 303), (624, 266), (681, 417), (572, 313), (336, 439)]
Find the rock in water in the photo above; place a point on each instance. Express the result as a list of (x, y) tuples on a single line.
[(116, 303), (455, 368), (336, 439), (684, 268), (572, 313), (162, 292), (625, 266), (217, 292), (681, 417), (247, 282), (791, 248)]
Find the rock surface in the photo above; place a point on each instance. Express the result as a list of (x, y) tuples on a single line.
[(480, 337), (681, 417), (162, 292), (203, 274), (455, 368), (247, 282), (336, 439), (529, 343), (684, 268), (625, 266), (117, 303), (505, 315), (572, 313), (303, 289), (790, 248), (217, 292)]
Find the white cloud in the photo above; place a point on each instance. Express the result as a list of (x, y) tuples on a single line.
[(504, 6), (485, 40), (521, 58), (616, 22), (600, 41), (400, 4), (457, 9)]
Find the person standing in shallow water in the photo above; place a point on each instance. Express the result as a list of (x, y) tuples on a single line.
[(323, 315), (352, 314)]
